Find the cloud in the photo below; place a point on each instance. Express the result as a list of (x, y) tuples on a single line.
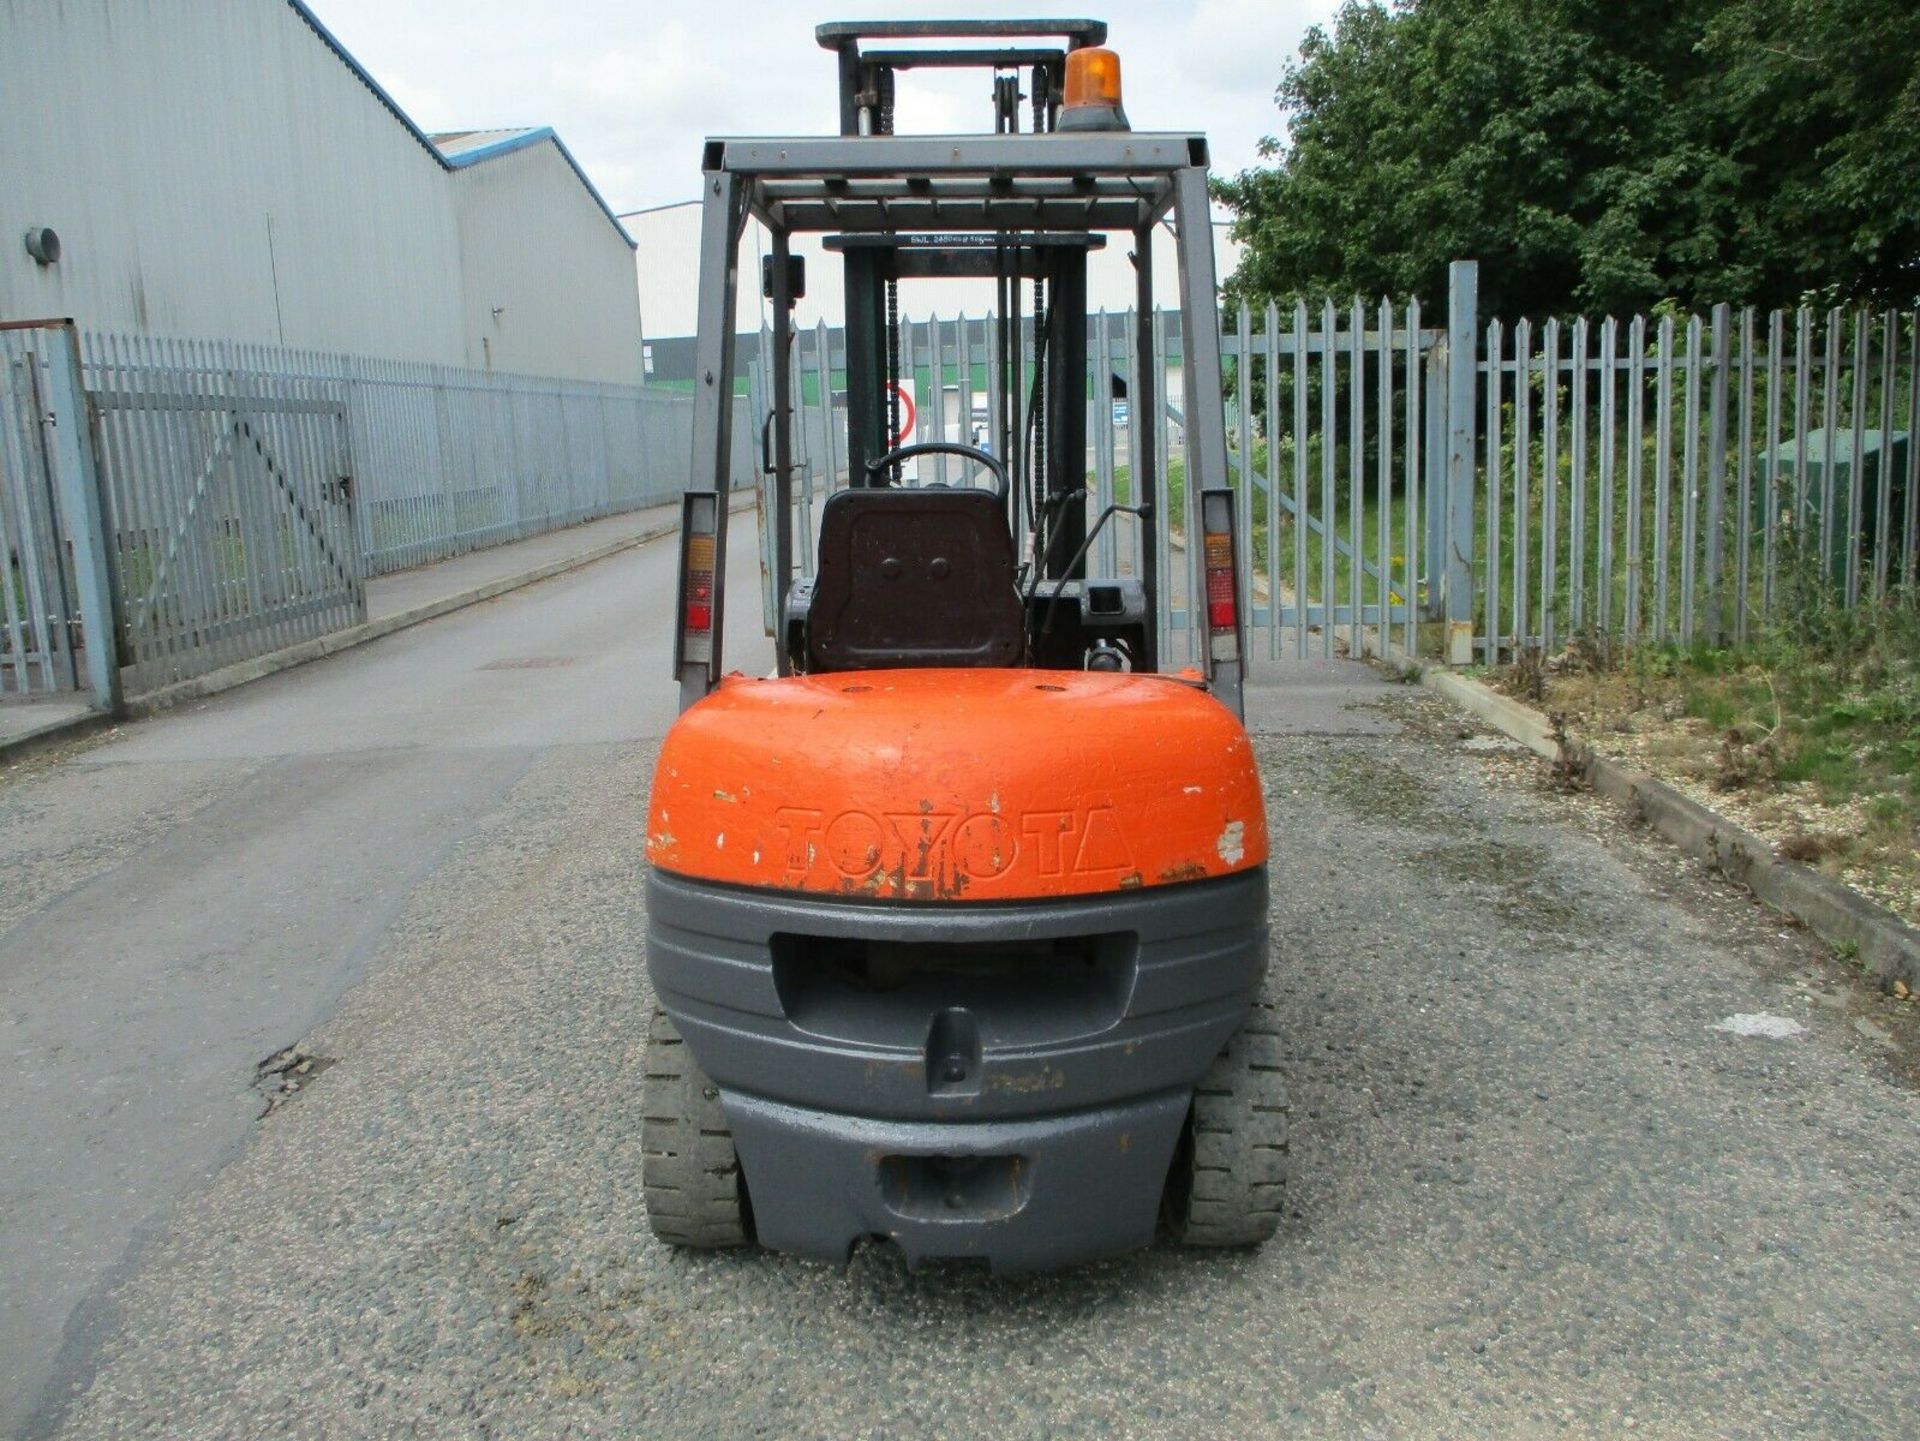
[(670, 75), (633, 88), (1242, 46)]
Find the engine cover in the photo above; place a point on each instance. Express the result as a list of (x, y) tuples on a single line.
[(956, 785)]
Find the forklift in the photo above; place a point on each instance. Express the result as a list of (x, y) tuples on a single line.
[(957, 921)]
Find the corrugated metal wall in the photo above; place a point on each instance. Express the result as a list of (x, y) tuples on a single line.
[(549, 283), (213, 169)]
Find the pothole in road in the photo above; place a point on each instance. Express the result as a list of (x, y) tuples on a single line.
[(287, 1074)]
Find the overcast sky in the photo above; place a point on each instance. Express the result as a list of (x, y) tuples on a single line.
[(633, 86)]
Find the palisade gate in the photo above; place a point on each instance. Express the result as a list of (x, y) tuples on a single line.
[(171, 507), (1466, 491)]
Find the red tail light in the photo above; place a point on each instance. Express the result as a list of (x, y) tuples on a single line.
[(699, 524), (699, 596), (1220, 604), (1223, 588)]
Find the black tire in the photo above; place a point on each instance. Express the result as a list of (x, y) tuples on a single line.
[(1228, 1185), (696, 1194)]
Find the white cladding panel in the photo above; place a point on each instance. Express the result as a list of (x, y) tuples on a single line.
[(214, 169), (669, 256), (537, 249)]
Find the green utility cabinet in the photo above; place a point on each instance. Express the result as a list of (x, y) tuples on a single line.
[(1832, 465)]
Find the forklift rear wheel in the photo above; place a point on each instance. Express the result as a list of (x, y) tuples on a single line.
[(696, 1193), (1228, 1185)]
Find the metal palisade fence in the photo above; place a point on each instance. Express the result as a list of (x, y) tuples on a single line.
[(1473, 491), (243, 495), (228, 496), (1331, 416), (1332, 454), (1686, 478), (1465, 490), (35, 651), (41, 638), (453, 460), (443, 460)]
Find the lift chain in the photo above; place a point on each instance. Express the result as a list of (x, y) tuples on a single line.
[(893, 367), (885, 127), (1037, 461), (1037, 475)]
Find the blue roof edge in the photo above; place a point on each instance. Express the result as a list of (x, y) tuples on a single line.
[(446, 162)]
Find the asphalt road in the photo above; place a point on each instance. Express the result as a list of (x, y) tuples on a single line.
[(190, 897), (1536, 1191)]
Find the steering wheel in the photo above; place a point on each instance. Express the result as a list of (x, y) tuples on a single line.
[(1001, 488)]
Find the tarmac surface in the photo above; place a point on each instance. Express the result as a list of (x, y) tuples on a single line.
[(1537, 1190)]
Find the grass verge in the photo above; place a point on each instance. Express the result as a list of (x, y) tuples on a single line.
[(1809, 737)]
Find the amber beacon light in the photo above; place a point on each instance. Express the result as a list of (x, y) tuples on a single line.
[(1092, 100)]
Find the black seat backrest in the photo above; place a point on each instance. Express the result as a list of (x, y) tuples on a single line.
[(914, 578)]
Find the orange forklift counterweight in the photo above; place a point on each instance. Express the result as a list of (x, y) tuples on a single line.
[(956, 785)]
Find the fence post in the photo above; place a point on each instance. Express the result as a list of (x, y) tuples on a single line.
[(70, 445), (1463, 325), (1434, 532), (1716, 480), (353, 375)]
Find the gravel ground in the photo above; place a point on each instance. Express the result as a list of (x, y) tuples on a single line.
[(1535, 1192)]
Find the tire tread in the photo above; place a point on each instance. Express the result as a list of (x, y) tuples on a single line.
[(689, 1169), (1233, 1190)]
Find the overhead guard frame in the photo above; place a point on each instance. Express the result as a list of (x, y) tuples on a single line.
[(1006, 184)]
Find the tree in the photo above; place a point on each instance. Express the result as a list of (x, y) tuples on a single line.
[(1819, 100), (1593, 154)]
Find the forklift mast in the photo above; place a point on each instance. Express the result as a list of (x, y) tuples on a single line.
[(1022, 205)]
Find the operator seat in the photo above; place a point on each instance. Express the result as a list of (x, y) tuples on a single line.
[(921, 577)]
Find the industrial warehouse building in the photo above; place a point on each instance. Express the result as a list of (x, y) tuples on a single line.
[(263, 340), (225, 169)]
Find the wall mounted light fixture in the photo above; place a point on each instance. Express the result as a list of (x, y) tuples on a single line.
[(43, 243)]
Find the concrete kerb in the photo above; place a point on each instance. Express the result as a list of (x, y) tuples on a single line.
[(240, 673), (53, 733), (1886, 946)]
